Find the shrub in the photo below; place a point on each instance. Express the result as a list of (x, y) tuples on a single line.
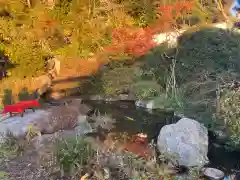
[(115, 79), (118, 80), (74, 153), (206, 59), (7, 97), (230, 115)]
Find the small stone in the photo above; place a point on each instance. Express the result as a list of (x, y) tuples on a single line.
[(96, 98), (55, 95), (213, 174), (123, 97), (145, 104), (81, 119)]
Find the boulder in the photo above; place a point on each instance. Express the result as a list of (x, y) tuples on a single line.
[(48, 121), (18, 126), (185, 142), (60, 118)]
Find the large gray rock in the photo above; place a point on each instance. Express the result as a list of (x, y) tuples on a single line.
[(46, 121), (185, 142), (18, 126), (60, 118)]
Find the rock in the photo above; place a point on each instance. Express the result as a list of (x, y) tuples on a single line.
[(83, 127), (18, 125), (145, 104), (110, 99), (53, 67), (55, 95), (59, 118), (183, 177), (185, 142), (153, 105), (221, 136), (212, 173), (96, 98), (81, 119), (126, 97), (85, 109), (50, 64)]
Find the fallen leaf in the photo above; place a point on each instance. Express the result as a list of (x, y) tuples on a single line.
[(84, 177)]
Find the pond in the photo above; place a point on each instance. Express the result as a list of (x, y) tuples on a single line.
[(132, 120)]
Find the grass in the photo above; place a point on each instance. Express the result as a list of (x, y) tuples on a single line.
[(74, 154)]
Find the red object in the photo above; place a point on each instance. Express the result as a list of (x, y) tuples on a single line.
[(21, 106)]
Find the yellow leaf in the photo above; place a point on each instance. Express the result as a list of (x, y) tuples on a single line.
[(129, 118), (84, 177)]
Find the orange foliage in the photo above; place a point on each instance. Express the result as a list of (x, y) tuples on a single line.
[(176, 9), (132, 41), (169, 13), (138, 41)]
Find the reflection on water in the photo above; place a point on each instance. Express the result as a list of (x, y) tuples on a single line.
[(132, 121)]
